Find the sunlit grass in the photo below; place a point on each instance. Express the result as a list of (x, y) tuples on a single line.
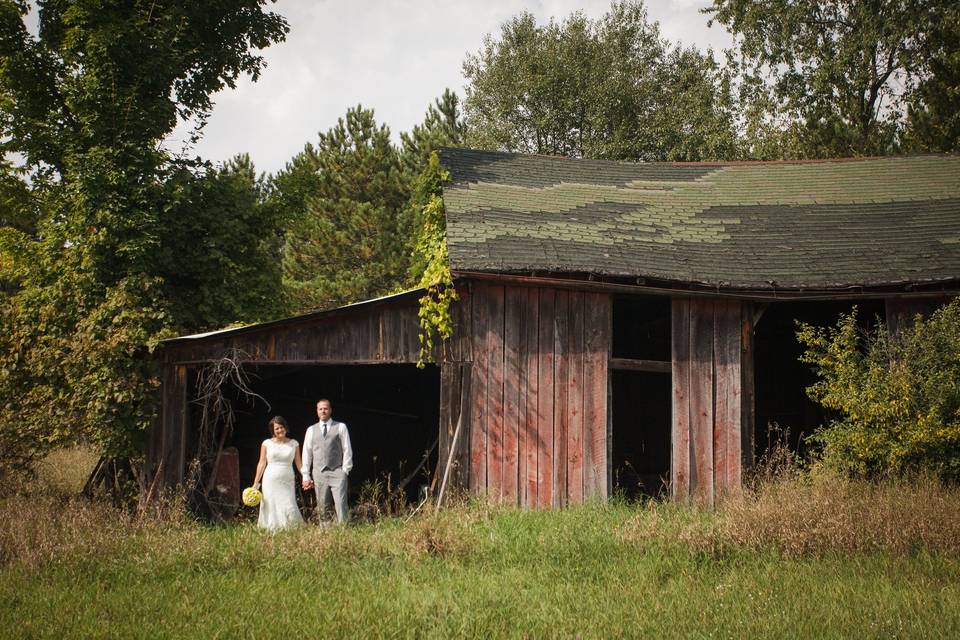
[(63, 471), (802, 557)]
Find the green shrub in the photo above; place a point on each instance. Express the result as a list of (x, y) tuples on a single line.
[(897, 399)]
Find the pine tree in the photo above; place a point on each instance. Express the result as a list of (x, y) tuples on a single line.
[(442, 126), (350, 241)]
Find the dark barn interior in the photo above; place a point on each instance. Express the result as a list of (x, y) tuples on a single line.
[(641, 408), (391, 411), (641, 328), (641, 433), (783, 410)]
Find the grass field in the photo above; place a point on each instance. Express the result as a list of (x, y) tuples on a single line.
[(800, 558)]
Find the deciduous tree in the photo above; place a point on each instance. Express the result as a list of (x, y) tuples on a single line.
[(846, 78), (93, 244), (610, 88)]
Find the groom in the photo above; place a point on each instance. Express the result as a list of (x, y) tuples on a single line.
[(327, 460)]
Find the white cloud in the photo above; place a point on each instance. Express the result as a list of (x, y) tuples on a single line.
[(393, 56)]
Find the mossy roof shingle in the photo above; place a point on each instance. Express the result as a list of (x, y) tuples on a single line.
[(826, 224)]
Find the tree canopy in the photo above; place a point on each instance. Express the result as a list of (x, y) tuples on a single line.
[(442, 126), (349, 241), (352, 210), (608, 88), (108, 243), (842, 78)]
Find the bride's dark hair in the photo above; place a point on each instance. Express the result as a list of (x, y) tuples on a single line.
[(280, 420)]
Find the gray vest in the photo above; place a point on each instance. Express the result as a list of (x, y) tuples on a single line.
[(327, 451)]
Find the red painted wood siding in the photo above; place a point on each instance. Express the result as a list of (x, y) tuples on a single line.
[(545, 381), (708, 381), (529, 385), (541, 438), (597, 327)]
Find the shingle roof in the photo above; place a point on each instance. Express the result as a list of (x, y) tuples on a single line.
[(785, 225)]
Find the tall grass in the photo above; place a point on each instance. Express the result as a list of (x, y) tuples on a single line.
[(817, 514), (61, 472), (799, 515), (798, 556)]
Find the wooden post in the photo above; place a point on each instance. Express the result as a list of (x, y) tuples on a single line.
[(728, 412), (748, 386), (597, 345), (174, 420), (702, 399), (680, 382)]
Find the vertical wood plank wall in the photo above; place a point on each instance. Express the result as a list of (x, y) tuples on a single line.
[(538, 394), (901, 312), (174, 425), (710, 341), (455, 397)]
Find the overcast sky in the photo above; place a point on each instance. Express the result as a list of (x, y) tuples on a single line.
[(394, 56)]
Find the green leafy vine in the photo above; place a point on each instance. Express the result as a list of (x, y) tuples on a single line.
[(431, 260)]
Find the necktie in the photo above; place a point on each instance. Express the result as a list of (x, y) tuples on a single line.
[(324, 429)]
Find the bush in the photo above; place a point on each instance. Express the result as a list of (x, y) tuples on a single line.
[(898, 399)]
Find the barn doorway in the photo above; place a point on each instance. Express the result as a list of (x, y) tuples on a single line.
[(391, 411), (640, 390), (641, 433), (784, 412)]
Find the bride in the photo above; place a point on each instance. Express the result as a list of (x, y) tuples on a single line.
[(278, 508)]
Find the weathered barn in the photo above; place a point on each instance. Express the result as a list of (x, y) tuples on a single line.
[(621, 326)]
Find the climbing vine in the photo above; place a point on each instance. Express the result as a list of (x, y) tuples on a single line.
[(431, 261)]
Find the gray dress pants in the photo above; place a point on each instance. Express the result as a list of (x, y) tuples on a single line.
[(331, 485)]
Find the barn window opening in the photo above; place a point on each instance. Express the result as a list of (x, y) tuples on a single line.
[(641, 328)]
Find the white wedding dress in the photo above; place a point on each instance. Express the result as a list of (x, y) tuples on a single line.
[(278, 507)]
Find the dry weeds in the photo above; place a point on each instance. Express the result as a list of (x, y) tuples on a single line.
[(821, 513), (797, 514), (806, 514)]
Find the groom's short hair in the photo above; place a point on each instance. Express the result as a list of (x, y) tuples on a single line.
[(325, 400)]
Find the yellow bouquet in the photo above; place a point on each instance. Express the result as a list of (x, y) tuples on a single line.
[(251, 497)]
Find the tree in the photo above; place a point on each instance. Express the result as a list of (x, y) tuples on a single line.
[(933, 111), (351, 215), (442, 126), (610, 88), (219, 255), (350, 241), (848, 77), (92, 245)]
